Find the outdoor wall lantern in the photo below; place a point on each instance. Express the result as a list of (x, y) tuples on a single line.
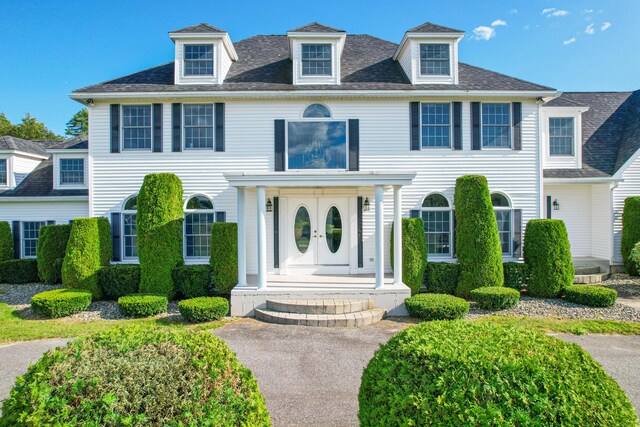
[(269, 205), (556, 205), (366, 204)]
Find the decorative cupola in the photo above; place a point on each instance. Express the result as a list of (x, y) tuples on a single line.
[(315, 51), (203, 54), (428, 54)]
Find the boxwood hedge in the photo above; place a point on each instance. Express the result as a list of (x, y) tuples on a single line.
[(548, 254), (478, 245), (441, 277), (414, 253), (459, 373), (19, 271), (6, 241), (159, 225), (60, 302), (436, 306), (192, 281), (224, 256), (137, 377), (142, 305), (119, 280), (495, 298), (630, 232), (203, 309), (52, 245), (516, 275), (593, 296)]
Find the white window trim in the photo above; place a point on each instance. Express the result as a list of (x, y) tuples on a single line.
[(451, 143), (184, 225), (213, 121), (9, 182), (428, 76), (482, 147), (84, 172), (317, 76), (22, 239), (125, 259), (575, 137), (451, 210), (510, 209), (184, 61), (561, 162), (135, 150)]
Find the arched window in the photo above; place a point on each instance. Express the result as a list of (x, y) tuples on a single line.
[(129, 230), (502, 208), (316, 110), (199, 215), (437, 216)]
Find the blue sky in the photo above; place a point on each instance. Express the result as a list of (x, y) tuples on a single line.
[(49, 48)]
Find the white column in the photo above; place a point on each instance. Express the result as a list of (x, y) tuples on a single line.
[(397, 235), (242, 238), (379, 257), (262, 238)]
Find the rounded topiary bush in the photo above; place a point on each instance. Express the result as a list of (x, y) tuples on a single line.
[(548, 254), (630, 232), (60, 302), (464, 373), (495, 297), (52, 245), (6, 241), (593, 296), (414, 253), (142, 305), (203, 309), (436, 306), (137, 377)]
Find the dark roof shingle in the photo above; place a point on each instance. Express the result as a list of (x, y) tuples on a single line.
[(316, 27), (202, 28), (39, 183), (39, 148), (428, 27)]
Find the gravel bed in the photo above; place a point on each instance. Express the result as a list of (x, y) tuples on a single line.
[(626, 286)]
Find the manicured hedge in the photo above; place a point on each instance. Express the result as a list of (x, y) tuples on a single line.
[(104, 234), (203, 309), (142, 305), (441, 277), (548, 254), (18, 271), (119, 280), (192, 281), (138, 377), (52, 245), (635, 255), (516, 275), (82, 259), (593, 296), (159, 224), (630, 232), (460, 373), (224, 256), (478, 245), (495, 298), (6, 241), (414, 253), (60, 302), (436, 306)]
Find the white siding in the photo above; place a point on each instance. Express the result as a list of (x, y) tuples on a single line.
[(629, 187), (22, 164), (575, 211), (60, 212), (601, 222)]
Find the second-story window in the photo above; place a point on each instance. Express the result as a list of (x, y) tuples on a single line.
[(71, 171), (316, 60), (436, 125), (198, 60), (434, 60), (198, 126), (561, 136), (136, 127), (496, 125), (3, 171)]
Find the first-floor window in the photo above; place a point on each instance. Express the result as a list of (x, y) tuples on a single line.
[(30, 233), (437, 214), (129, 229), (3, 171), (199, 216), (502, 208)]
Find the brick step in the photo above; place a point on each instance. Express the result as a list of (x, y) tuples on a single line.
[(320, 306), (582, 270), (588, 279), (357, 319)]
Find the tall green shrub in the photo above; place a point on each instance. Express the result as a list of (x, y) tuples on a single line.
[(82, 259), (105, 240), (6, 242), (52, 245), (548, 254), (414, 253), (224, 255), (630, 232), (477, 241), (159, 225)]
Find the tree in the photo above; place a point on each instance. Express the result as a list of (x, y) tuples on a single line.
[(30, 128), (6, 127), (79, 124)]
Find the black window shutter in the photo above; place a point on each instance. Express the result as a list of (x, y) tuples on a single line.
[(354, 144), (414, 213), (517, 233), (115, 128), (516, 108), (549, 207), (176, 124), (219, 107), (221, 216), (157, 128), (453, 233), (70, 222), (51, 222), (360, 241), (116, 227), (475, 126), (457, 125), (279, 145), (276, 232), (17, 240), (414, 114)]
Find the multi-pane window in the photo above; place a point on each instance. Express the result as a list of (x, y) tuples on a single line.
[(136, 127), (436, 125), (197, 227), (317, 145), (198, 126), (434, 60), (129, 230), (502, 209), (198, 60), (3, 171), (436, 215), (316, 60), (496, 125), (30, 233), (72, 171), (561, 134)]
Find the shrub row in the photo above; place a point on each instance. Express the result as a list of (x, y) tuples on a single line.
[(119, 280), (495, 298), (51, 248), (224, 256), (442, 277), (60, 302), (593, 296), (203, 309), (142, 305), (19, 271), (516, 275), (192, 281), (414, 253), (436, 306), (6, 241), (630, 232)]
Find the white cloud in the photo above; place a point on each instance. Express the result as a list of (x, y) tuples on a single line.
[(590, 30), (568, 42), (484, 33), (560, 13), (513, 11), (588, 11), (526, 27), (548, 10), (605, 26), (552, 11), (498, 22)]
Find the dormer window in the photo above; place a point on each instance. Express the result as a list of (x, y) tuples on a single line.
[(434, 60), (3, 171), (198, 60), (561, 136), (71, 171), (316, 60)]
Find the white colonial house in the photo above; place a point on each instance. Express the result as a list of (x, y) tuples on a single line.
[(316, 141)]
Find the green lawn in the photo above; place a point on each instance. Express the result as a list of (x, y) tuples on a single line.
[(571, 326)]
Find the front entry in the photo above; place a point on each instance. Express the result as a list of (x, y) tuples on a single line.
[(318, 237)]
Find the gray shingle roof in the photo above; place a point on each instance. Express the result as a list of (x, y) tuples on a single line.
[(428, 27), (316, 27), (366, 64), (202, 28), (8, 142), (562, 101)]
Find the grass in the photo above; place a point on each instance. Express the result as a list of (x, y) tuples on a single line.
[(570, 326), (14, 328)]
